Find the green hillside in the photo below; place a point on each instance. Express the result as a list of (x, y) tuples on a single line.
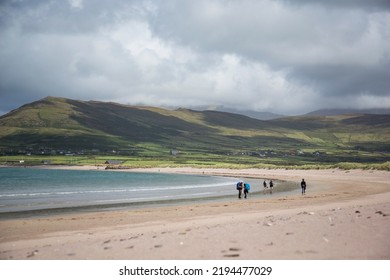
[(57, 126)]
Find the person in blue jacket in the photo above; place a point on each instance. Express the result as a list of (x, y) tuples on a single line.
[(247, 187)]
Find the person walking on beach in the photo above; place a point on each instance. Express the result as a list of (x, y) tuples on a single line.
[(246, 189), (239, 188), (264, 187), (271, 186), (303, 186)]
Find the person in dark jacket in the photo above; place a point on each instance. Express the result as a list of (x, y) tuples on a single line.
[(240, 186), (264, 187), (303, 186)]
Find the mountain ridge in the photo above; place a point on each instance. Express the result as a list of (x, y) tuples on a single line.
[(59, 124), (346, 111)]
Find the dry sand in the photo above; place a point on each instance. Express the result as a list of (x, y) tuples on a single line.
[(344, 215)]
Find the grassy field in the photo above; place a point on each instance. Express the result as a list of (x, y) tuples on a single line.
[(199, 161)]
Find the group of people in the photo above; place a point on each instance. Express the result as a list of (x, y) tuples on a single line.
[(245, 187), (265, 187)]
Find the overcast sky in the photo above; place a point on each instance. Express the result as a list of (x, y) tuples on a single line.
[(281, 56)]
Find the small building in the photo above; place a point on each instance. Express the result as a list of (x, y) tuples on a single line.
[(113, 162)]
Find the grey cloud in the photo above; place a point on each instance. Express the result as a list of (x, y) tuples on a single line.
[(372, 5), (262, 30), (61, 17), (346, 80), (281, 56), (335, 51)]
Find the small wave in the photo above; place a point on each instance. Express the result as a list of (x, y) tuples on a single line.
[(135, 189)]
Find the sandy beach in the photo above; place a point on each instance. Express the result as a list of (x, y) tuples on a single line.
[(344, 215)]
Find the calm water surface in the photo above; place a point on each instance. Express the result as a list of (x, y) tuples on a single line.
[(24, 189), (29, 189)]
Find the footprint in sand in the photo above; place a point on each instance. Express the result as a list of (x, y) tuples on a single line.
[(234, 249), (231, 255), (381, 213), (134, 237), (32, 254), (185, 232)]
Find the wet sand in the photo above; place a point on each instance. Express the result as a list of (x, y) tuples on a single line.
[(344, 215)]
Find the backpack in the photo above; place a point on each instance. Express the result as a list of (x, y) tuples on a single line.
[(247, 186), (239, 186)]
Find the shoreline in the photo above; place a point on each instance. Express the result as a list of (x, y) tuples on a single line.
[(346, 216)]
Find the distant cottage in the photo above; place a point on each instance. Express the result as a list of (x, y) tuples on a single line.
[(114, 162)]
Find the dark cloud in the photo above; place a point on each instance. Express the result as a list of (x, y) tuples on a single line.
[(372, 5), (281, 56)]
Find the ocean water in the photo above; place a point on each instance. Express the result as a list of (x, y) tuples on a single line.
[(29, 189)]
